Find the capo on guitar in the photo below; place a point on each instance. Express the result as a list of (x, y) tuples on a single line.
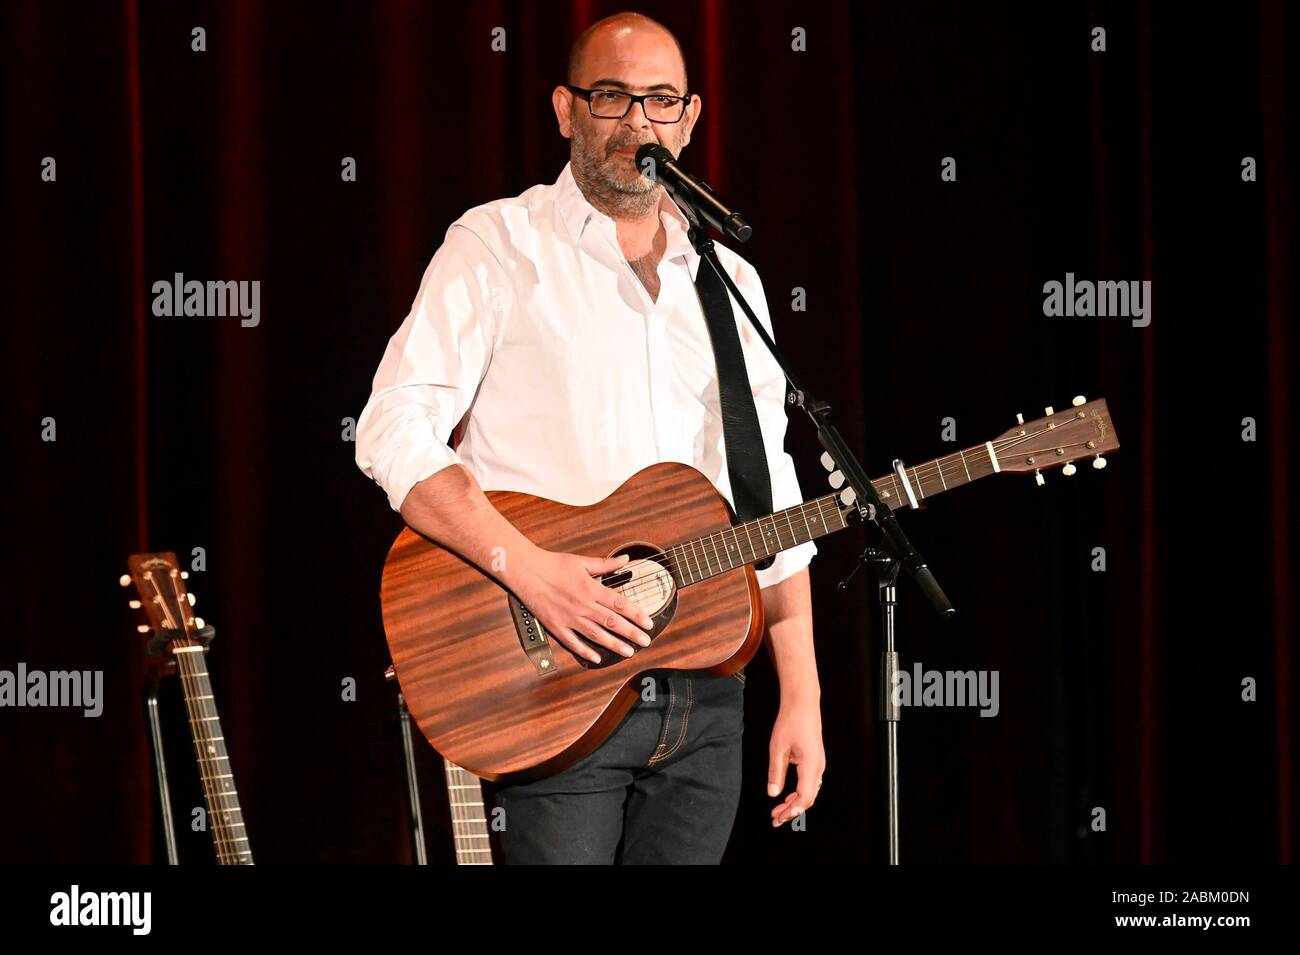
[(161, 639)]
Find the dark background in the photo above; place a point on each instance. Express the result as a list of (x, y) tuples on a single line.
[(1119, 690)]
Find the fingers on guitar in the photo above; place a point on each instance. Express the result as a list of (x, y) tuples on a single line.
[(619, 625), (629, 610), (577, 646), (599, 635)]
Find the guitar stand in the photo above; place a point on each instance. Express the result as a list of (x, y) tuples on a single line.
[(412, 781), (160, 773)]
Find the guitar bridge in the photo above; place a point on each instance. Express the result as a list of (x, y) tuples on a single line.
[(532, 637)]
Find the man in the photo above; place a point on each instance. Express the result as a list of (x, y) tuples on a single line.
[(559, 335)]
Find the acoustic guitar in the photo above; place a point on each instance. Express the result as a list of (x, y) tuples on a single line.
[(493, 693), (178, 645)]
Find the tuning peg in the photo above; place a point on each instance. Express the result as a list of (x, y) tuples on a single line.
[(828, 462), (133, 604), (836, 478), (185, 575), (1038, 478), (192, 599), (143, 628), (124, 580), (1020, 419), (1069, 469), (1049, 411), (1079, 400), (198, 623), (1099, 462)]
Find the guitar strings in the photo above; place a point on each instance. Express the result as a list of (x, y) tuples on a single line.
[(460, 816), (927, 469), (919, 473), (675, 560), (193, 681), (223, 843)]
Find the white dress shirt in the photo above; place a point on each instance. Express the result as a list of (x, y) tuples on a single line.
[(533, 334)]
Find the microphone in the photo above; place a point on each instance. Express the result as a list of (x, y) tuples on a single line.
[(659, 165)]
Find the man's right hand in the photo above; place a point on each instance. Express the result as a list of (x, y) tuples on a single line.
[(561, 590)]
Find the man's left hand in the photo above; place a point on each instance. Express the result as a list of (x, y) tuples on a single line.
[(797, 740)]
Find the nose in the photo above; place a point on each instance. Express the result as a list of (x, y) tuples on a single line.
[(632, 122)]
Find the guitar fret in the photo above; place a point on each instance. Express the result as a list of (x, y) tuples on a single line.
[(683, 569), (693, 560), (697, 559)]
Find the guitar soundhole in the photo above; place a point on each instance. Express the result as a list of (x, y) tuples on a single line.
[(647, 582)]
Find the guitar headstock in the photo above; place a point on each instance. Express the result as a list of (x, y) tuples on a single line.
[(1080, 432), (167, 604)]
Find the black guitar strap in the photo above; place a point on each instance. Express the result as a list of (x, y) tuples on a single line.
[(751, 481)]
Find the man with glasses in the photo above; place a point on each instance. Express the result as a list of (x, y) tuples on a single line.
[(558, 337)]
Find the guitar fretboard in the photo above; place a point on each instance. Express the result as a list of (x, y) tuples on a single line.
[(468, 820), (702, 557), (224, 815)]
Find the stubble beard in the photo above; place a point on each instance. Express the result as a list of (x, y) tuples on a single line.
[(611, 182)]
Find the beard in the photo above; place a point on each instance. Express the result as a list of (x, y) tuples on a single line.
[(612, 183)]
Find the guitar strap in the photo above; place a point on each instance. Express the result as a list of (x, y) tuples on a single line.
[(751, 481)]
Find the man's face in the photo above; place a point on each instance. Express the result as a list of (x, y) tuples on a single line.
[(603, 151)]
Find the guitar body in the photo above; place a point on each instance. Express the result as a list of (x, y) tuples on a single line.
[(492, 694)]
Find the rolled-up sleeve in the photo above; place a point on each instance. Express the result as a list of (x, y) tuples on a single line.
[(769, 400), (432, 367)]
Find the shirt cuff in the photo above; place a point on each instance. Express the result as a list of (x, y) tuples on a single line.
[(398, 451)]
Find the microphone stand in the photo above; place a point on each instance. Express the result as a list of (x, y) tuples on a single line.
[(897, 551)]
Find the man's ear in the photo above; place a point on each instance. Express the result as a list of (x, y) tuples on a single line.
[(692, 114), (562, 102)]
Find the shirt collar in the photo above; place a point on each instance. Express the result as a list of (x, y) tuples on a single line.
[(575, 212)]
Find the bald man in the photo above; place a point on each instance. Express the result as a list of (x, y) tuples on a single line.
[(558, 335)]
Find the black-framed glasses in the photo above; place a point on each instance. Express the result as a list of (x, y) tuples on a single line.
[(615, 104)]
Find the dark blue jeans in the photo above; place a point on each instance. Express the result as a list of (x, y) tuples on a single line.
[(663, 789)]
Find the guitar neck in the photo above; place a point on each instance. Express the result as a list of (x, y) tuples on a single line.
[(702, 557), (468, 821), (224, 815)]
